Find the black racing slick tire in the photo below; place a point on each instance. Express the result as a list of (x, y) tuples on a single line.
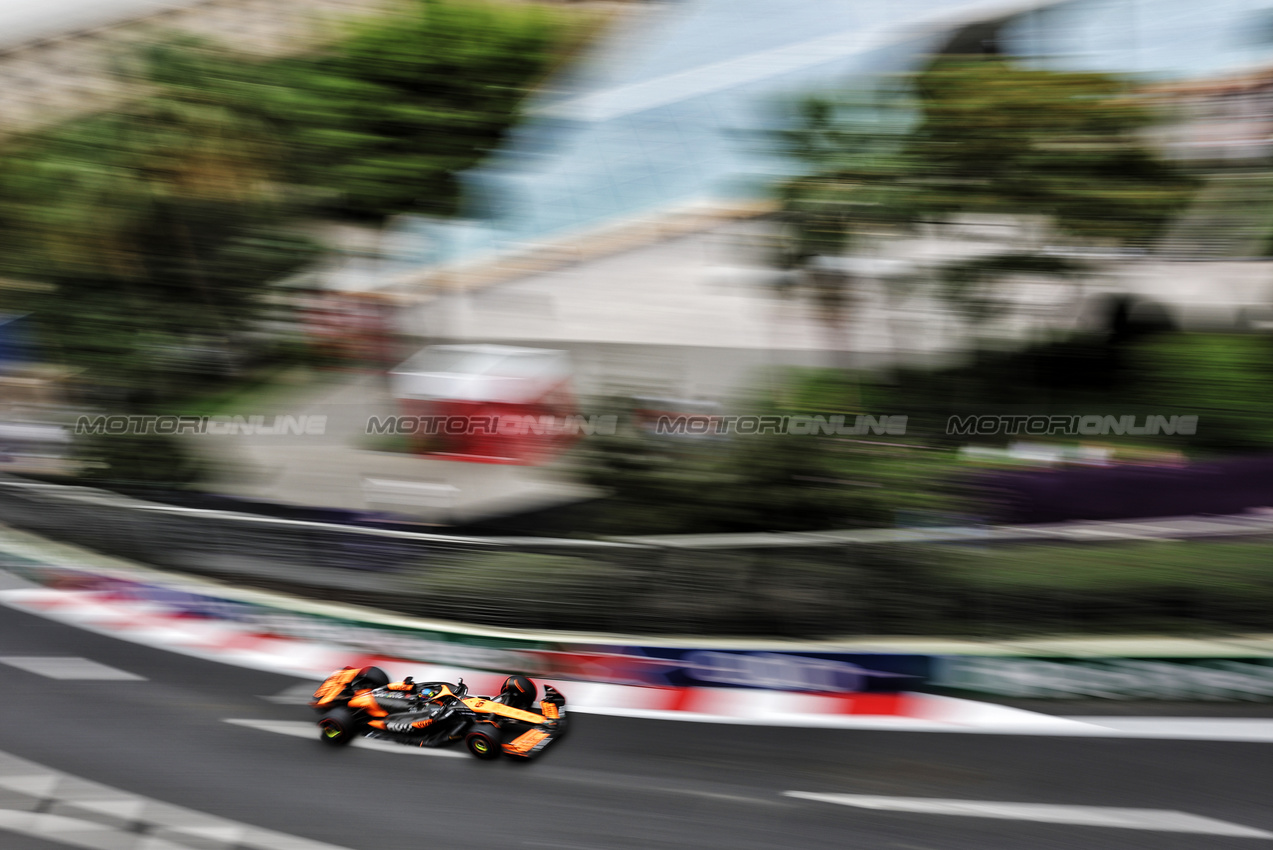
[(371, 677), (338, 728), (484, 742)]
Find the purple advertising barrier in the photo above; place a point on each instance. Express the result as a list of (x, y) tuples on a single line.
[(1222, 487), (795, 669)]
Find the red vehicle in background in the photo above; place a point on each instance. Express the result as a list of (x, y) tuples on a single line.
[(488, 403)]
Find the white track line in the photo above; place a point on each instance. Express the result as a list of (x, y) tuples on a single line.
[(1254, 730), (302, 694), (305, 729), (64, 667), (56, 807), (1160, 820)]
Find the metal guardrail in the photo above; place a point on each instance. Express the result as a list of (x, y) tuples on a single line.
[(1255, 524), (799, 584)]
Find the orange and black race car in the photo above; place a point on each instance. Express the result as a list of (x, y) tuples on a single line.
[(362, 702)]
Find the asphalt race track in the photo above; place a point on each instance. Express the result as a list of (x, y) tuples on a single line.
[(178, 775)]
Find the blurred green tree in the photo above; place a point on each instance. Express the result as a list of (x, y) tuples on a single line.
[(1224, 379), (382, 121), (661, 484), (1062, 155), (156, 226), (153, 232)]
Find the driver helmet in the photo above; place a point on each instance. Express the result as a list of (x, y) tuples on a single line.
[(518, 692)]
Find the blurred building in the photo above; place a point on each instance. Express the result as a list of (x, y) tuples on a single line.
[(620, 220), (57, 56), (670, 114), (654, 148), (672, 111), (623, 222), (622, 211)]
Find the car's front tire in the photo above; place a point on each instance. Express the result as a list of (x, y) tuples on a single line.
[(484, 742)]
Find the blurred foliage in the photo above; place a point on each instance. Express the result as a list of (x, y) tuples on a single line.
[(663, 484), (1176, 586), (1061, 153), (160, 224), (1129, 566), (998, 138), (1168, 587), (1224, 379), (382, 121), (265, 389), (147, 237), (782, 592), (548, 590), (748, 483), (138, 459), (1180, 587), (157, 226)]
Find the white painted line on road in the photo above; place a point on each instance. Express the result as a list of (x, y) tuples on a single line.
[(93, 816), (1245, 729), (38, 785), (126, 809), (63, 830), (302, 694), (1160, 820), (61, 667), (305, 729), (229, 835)]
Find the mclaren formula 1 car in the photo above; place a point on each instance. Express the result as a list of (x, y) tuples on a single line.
[(362, 702)]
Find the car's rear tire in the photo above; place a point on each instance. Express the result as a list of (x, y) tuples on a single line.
[(484, 742), (338, 727), (370, 677)]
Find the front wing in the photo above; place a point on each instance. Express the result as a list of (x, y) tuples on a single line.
[(530, 742), (545, 727)]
